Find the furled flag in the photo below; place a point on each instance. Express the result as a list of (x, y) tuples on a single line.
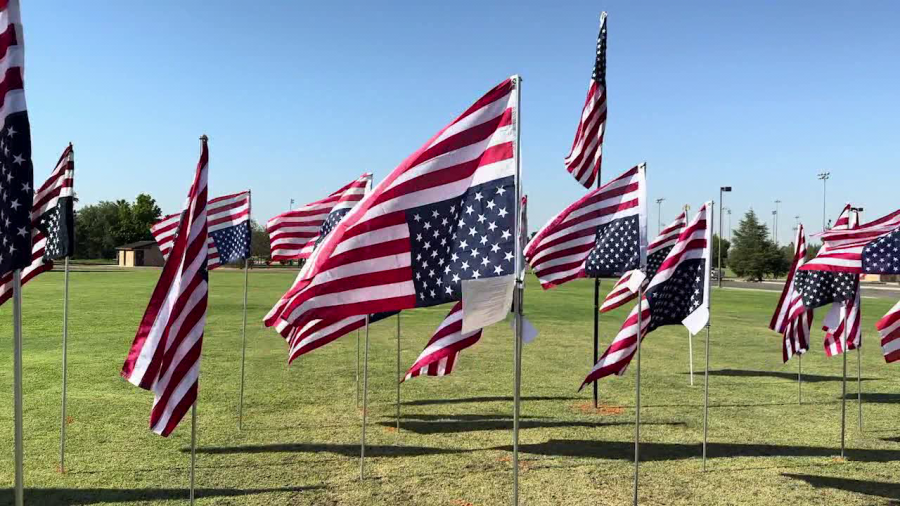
[(678, 293), (53, 222), (586, 156), (442, 351), (439, 228), (889, 329), (841, 315), (16, 172), (229, 230), (165, 355), (820, 288), (625, 290), (294, 234), (791, 318), (872, 248), (604, 233)]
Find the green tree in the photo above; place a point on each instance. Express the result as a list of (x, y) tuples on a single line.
[(753, 255), (101, 227), (725, 245), (259, 241)]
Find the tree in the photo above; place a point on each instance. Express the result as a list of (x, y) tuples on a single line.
[(259, 241), (726, 245), (753, 254), (101, 227)]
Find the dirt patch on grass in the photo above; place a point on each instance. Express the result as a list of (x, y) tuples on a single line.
[(587, 408), (524, 465)]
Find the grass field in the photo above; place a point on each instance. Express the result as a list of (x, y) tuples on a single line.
[(300, 441)]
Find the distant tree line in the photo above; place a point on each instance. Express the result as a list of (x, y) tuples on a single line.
[(102, 227)]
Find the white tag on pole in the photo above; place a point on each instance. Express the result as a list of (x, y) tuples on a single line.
[(697, 320), (635, 280), (486, 301)]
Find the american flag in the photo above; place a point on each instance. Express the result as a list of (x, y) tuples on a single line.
[(889, 329), (442, 351), (165, 355), (16, 171), (823, 287), (678, 293), (657, 251), (585, 158), (53, 223), (848, 314), (870, 248), (438, 225), (604, 233), (318, 333), (229, 230), (791, 318), (294, 234)]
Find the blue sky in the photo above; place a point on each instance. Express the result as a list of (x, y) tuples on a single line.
[(299, 98)]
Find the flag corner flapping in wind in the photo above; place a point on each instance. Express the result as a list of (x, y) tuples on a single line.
[(443, 218), (586, 156), (165, 355), (791, 318), (442, 351)]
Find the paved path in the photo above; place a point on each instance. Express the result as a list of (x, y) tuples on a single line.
[(881, 291)]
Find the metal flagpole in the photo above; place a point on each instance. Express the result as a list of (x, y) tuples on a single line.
[(17, 387), (637, 397), (799, 378), (357, 368), (243, 345), (517, 297), (691, 355), (399, 378), (362, 446), (706, 370), (65, 369), (844, 380), (596, 328), (193, 446), (859, 383)]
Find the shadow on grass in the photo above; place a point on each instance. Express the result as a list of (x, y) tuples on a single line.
[(467, 400), (876, 398), (351, 450), (874, 488), (741, 373), (457, 426), (77, 496), (624, 450)]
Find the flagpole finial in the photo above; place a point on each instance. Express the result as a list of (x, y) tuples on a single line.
[(204, 138)]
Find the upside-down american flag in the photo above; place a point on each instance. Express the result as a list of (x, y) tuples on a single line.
[(871, 248), (165, 355), (791, 318), (586, 156), (442, 351), (438, 226), (53, 223), (604, 233), (678, 293), (624, 291), (228, 219), (293, 235), (16, 171), (889, 329)]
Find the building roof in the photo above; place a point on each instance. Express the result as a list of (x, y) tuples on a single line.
[(137, 245)]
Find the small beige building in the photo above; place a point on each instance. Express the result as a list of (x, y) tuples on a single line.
[(140, 254)]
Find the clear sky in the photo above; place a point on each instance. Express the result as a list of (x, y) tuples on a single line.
[(300, 97)]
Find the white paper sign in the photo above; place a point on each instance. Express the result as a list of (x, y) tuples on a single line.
[(486, 301)]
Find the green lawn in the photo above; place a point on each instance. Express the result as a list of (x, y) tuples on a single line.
[(301, 431)]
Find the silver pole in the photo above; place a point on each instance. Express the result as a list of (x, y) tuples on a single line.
[(517, 298), (691, 356), (706, 399), (799, 379), (17, 387), (844, 380), (859, 384), (193, 446), (243, 345), (362, 447), (637, 398), (399, 377), (65, 368), (357, 368)]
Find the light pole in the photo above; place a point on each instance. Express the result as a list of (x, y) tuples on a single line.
[(659, 215), (824, 177), (721, 272), (291, 207), (776, 221)]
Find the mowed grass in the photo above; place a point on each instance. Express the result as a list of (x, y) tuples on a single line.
[(301, 434)]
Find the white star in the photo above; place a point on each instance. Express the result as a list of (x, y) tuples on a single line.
[(491, 205), (470, 209), (481, 218), (456, 278), (454, 257), (492, 226), (508, 256), (22, 231), (503, 212), (463, 245), (476, 274), (435, 214), (500, 191), (427, 225), (18, 160), (485, 261), (427, 245), (475, 253), (15, 205), (417, 217), (465, 266), (26, 187), (498, 270), (495, 248), (506, 234), (449, 290), (472, 231), (478, 196), (11, 131)]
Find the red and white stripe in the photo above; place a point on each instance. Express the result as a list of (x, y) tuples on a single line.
[(558, 252), (889, 330), (842, 249), (442, 351), (61, 183), (791, 318), (293, 235), (364, 265), (165, 355), (317, 333), (621, 292), (693, 243), (586, 156), (839, 317), (12, 60), (223, 212)]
